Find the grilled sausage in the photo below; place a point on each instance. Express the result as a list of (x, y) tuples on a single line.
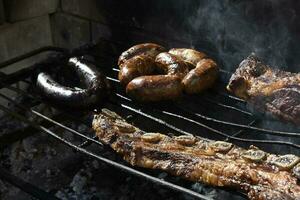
[(134, 67), (200, 78), (171, 65), (149, 49), (155, 88), (95, 92), (190, 56)]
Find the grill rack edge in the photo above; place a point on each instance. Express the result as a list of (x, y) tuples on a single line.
[(80, 148)]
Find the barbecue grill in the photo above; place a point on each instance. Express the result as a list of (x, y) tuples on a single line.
[(213, 115)]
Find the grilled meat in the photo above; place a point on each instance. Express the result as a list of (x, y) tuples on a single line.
[(269, 90), (190, 56), (157, 87), (201, 78), (95, 93), (204, 71), (261, 175), (135, 67), (149, 49)]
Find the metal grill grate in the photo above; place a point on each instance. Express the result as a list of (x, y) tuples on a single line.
[(213, 115)]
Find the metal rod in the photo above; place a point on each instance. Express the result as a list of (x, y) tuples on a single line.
[(52, 121), (107, 161), (204, 126), (271, 132)]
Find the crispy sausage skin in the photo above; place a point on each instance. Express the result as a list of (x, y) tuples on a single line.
[(149, 49), (95, 92), (190, 56), (160, 87), (155, 88), (137, 66), (200, 78), (204, 71), (171, 65)]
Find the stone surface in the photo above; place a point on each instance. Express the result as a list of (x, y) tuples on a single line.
[(2, 15), (100, 31), (23, 9), (89, 8), (70, 31), (21, 37)]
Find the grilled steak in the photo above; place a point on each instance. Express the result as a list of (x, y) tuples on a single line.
[(270, 91), (261, 175)]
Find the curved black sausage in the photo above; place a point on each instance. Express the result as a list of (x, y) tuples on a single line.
[(95, 92)]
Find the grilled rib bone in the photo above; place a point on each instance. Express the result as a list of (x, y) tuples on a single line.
[(215, 163)]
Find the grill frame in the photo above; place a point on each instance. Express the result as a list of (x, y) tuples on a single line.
[(125, 103)]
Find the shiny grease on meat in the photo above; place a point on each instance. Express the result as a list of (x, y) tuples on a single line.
[(270, 91), (204, 71), (189, 70), (149, 49), (96, 91), (137, 66), (158, 87), (261, 175)]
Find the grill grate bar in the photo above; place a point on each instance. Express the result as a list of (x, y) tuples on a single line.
[(268, 131), (203, 125), (105, 160), (227, 106), (52, 121), (241, 131), (271, 132)]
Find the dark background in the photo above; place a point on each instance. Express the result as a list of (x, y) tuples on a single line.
[(228, 30)]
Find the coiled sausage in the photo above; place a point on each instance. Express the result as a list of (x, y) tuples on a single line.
[(190, 56), (149, 49), (95, 92), (201, 78), (160, 87), (204, 71), (137, 66), (155, 88)]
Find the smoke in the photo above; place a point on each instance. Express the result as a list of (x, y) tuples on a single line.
[(237, 28)]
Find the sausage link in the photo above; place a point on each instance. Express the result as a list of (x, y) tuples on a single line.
[(95, 92), (149, 49), (190, 56), (134, 67), (155, 88), (200, 78), (171, 65)]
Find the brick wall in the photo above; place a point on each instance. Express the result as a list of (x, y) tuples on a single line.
[(26, 25)]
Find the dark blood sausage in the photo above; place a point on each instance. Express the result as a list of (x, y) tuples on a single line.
[(200, 78), (135, 67), (160, 87), (204, 71), (95, 92), (155, 88), (149, 49)]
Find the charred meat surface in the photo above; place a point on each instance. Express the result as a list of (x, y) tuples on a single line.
[(151, 74), (97, 87), (261, 175), (149, 49), (270, 91)]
